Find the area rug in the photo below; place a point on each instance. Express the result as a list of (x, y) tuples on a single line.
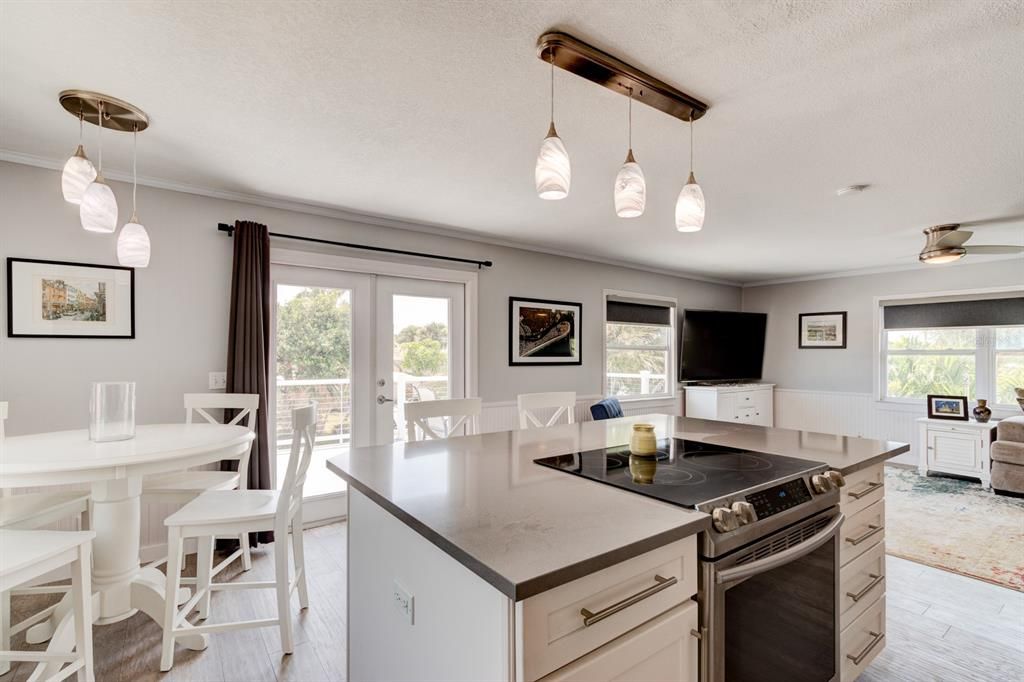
[(954, 525)]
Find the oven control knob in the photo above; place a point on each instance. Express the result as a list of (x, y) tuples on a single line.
[(744, 512), (821, 483), (836, 478), (724, 519)]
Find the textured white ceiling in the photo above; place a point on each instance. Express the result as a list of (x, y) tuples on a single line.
[(433, 112)]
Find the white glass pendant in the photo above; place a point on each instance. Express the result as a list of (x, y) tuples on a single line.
[(630, 189), (78, 173), (133, 245), (553, 172), (690, 207), (98, 211)]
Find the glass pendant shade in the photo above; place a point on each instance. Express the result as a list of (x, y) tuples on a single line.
[(98, 211), (630, 189), (553, 172), (133, 245), (690, 207), (78, 173)]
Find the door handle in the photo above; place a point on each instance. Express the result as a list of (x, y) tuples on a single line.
[(743, 571), (381, 399)]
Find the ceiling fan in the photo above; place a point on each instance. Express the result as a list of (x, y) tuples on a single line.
[(948, 243)]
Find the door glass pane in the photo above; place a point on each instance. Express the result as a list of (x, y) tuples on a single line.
[(314, 346), (421, 353)]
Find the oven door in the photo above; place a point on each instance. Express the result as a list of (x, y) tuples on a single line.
[(772, 608)]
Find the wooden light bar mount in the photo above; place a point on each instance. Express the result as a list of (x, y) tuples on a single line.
[(602, 68)]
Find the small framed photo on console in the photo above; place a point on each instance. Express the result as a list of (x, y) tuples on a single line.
[(823, 330), (948, 407)]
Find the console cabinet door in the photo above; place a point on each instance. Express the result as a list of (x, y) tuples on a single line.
[(953, 451), (661, 650)]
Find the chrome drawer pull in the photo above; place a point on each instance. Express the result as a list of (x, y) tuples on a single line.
[(871, 487), (876, 637), (872, 529), (589, 617), (875, 579)]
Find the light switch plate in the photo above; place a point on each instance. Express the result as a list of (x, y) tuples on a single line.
[(218, 381), (404, 602)]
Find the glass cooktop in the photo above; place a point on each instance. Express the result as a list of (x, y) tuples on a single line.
[(686, 473)]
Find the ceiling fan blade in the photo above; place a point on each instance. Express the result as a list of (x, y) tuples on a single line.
[(994, 248), (953, 239)]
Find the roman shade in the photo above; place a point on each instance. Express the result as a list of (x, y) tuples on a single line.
[(988, 312), (624, 312)]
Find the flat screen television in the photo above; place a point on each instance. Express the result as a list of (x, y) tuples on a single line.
[(721, 346)]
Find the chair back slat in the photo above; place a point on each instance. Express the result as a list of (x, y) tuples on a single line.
[(563, 402), (303, 439), (455, 414), (247, 405)]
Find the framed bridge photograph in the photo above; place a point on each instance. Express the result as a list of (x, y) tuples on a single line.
[(544, 332)]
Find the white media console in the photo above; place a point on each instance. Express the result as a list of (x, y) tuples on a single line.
[(743, 403)]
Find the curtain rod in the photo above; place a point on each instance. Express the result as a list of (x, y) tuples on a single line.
[(230, 229)]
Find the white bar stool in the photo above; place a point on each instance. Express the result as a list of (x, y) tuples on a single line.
[(563, 402), (456, 413), (29, 554)]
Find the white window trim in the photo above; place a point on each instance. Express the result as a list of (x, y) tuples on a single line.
[(654, 299), (937, 297)]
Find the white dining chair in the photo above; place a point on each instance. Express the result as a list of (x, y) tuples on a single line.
[(562, 402), (180, 487), (28, 511), (231, 512), (28, 555), (453, 415)]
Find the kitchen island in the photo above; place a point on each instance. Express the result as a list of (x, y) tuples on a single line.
[(468, 561)]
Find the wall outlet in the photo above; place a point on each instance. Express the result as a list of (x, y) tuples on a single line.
[(403, 602), (218, 381)]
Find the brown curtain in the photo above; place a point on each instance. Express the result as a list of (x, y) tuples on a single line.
[(249, 344)]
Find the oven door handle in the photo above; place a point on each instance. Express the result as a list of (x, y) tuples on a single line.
[(731, 575)]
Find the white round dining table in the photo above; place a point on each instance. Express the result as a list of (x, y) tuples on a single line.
[(114, 470)]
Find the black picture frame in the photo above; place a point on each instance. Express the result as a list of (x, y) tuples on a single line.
[(11, 333), (963, 414), (514, 360), (800, 330)]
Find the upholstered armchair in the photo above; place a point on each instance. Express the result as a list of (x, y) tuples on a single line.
[(1008, 457)]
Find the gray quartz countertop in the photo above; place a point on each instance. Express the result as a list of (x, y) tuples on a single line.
[(525, 528)]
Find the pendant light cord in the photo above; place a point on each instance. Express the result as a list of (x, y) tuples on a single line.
[(99, 137), (81, 127), (630, 119), (691, 141), (135, 174), (552, 60)]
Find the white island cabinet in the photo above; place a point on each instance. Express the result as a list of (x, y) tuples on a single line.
[(467, 561)]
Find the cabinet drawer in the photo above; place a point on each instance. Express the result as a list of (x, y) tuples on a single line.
[(863, 488), (861, 583), (661, 650), (950, 450), (862, 641), (862, 531), (550, 627)]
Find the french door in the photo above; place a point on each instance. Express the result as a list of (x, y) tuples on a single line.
[(362, 346)]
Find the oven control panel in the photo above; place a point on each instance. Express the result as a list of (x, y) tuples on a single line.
[(771, 501)]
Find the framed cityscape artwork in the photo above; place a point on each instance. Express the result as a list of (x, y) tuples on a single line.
[(544, 332), (74, 300), (823, 330)]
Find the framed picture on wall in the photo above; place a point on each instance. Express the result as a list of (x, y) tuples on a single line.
[(544, 332), (48, 298), (822, 330)]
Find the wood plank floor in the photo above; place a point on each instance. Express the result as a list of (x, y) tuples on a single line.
[(941, 627)]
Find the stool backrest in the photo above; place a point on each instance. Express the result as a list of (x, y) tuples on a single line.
[(247, 405), (303, 438), (455, 414), (564, 402)]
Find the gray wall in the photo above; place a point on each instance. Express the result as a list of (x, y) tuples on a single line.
[(182, 300), (851, 369)]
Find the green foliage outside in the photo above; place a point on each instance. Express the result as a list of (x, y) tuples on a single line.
[(313, 335), (634, 360)]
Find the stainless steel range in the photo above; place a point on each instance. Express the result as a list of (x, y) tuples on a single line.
[(769, 581)]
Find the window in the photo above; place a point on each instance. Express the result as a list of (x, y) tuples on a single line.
[(639, 347), (924, 351)]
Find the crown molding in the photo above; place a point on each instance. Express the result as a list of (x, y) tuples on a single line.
[(875, 271), (328, 211)]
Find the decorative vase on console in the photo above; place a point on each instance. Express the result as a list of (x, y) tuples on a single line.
[(982, 413)]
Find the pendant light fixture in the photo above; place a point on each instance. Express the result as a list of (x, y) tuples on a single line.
[(133, 242), (630, 186), (98, 211), (553, 172), (690, 204), (78, 171)]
